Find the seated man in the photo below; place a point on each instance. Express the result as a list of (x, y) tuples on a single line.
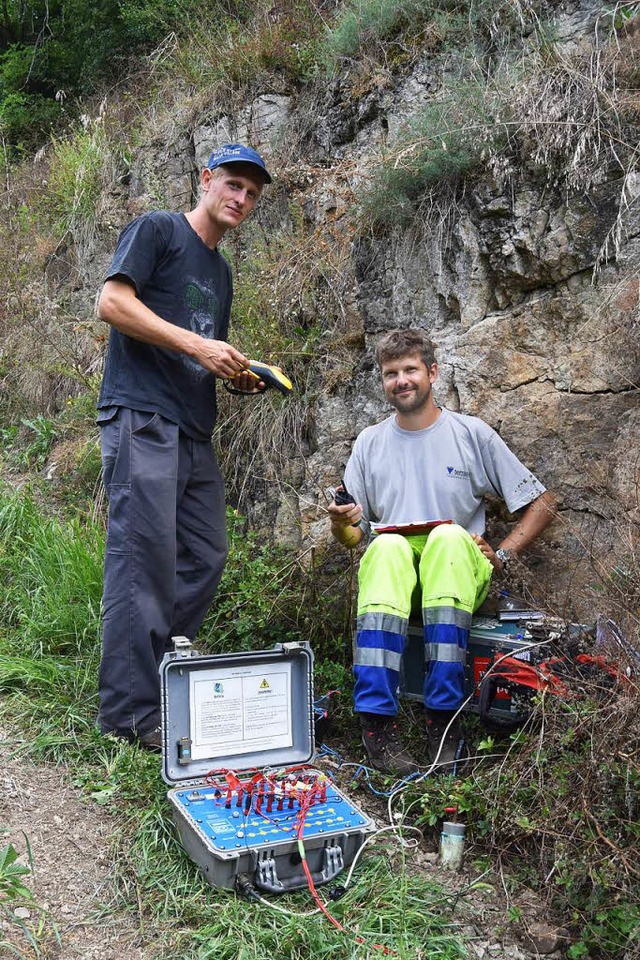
[(425, 463)]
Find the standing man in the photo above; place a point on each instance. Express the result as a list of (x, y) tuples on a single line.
[(425, 463), (167, 297)]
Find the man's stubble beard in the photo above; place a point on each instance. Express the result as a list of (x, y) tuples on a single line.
[(412, 404)]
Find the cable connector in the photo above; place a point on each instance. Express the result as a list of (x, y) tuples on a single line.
[(336, 892), (245, 887)]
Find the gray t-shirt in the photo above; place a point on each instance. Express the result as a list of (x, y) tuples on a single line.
[(439, 473)]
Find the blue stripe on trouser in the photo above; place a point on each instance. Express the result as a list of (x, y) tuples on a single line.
[(444, 679), (376, 669)]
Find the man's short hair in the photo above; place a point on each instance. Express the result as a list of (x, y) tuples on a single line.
[(403, 343)]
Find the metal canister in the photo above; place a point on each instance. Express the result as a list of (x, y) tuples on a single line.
[(451, 845)]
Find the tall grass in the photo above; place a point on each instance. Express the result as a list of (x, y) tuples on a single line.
[(49, 611)]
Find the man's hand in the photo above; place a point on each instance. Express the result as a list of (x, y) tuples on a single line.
[(488, 551), (343, 517), (247, 382), (221, 359)]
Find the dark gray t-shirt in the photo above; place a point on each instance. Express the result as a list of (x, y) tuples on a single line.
[(440, 473), (182, 280)]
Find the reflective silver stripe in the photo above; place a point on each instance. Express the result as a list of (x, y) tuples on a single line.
[(377, 657), (448, 615), (445, 652), (382, 621)]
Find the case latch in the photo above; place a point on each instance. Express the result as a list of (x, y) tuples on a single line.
[(294, 646), (184, 751), (266, 873), (182, 646)]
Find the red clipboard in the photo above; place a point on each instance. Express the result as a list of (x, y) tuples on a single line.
[(407, 529)]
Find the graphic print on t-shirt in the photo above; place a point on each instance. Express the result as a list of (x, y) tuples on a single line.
[(204, 306)]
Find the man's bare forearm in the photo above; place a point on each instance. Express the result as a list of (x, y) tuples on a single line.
[(119, 306), (535, 518)]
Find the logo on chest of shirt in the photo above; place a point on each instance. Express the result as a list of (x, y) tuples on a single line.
[(204, 306), (457, 474)]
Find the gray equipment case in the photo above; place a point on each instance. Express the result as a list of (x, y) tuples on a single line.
[(242, 716)]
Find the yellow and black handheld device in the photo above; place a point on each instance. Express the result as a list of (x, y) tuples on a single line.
[(271, 376)]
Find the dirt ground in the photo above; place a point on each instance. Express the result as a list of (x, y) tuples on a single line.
[(73, 881)]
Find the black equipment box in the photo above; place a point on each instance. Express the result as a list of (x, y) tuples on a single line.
[(238, 739), (488, 638)]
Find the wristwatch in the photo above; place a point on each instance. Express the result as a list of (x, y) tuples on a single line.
[(505, 557)]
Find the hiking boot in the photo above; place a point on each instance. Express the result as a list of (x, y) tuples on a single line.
[(152, 740), (444, 747), (382, 743)]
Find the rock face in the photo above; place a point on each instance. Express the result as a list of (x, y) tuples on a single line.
[(529, 337)]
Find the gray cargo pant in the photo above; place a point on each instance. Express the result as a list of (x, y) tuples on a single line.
[(166, 549)]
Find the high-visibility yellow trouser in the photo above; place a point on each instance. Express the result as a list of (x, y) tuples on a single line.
[(453, 576)]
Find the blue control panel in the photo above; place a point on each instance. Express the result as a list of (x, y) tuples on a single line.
[(233, 819)]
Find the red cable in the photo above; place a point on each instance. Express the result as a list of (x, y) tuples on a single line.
[(314, 893)]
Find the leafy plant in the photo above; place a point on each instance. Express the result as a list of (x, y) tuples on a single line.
[(14, 893), (12, 873), (27, 445)]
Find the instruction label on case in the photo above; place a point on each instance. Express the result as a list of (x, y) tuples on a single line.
[(240, 711)]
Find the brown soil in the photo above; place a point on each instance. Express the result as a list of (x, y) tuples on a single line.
[(72, 882)]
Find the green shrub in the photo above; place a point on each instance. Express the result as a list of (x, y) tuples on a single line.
[(372, 27), (59, 50), (363, 22), (255, 604), (443, 144), (559, 809), (26, 118)]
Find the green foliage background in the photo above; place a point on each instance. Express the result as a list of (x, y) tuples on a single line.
[(55, 51)]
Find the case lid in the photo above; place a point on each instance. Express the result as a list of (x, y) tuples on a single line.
[(235, 711)]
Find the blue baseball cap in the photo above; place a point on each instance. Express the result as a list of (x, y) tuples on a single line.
[(238, 153)]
